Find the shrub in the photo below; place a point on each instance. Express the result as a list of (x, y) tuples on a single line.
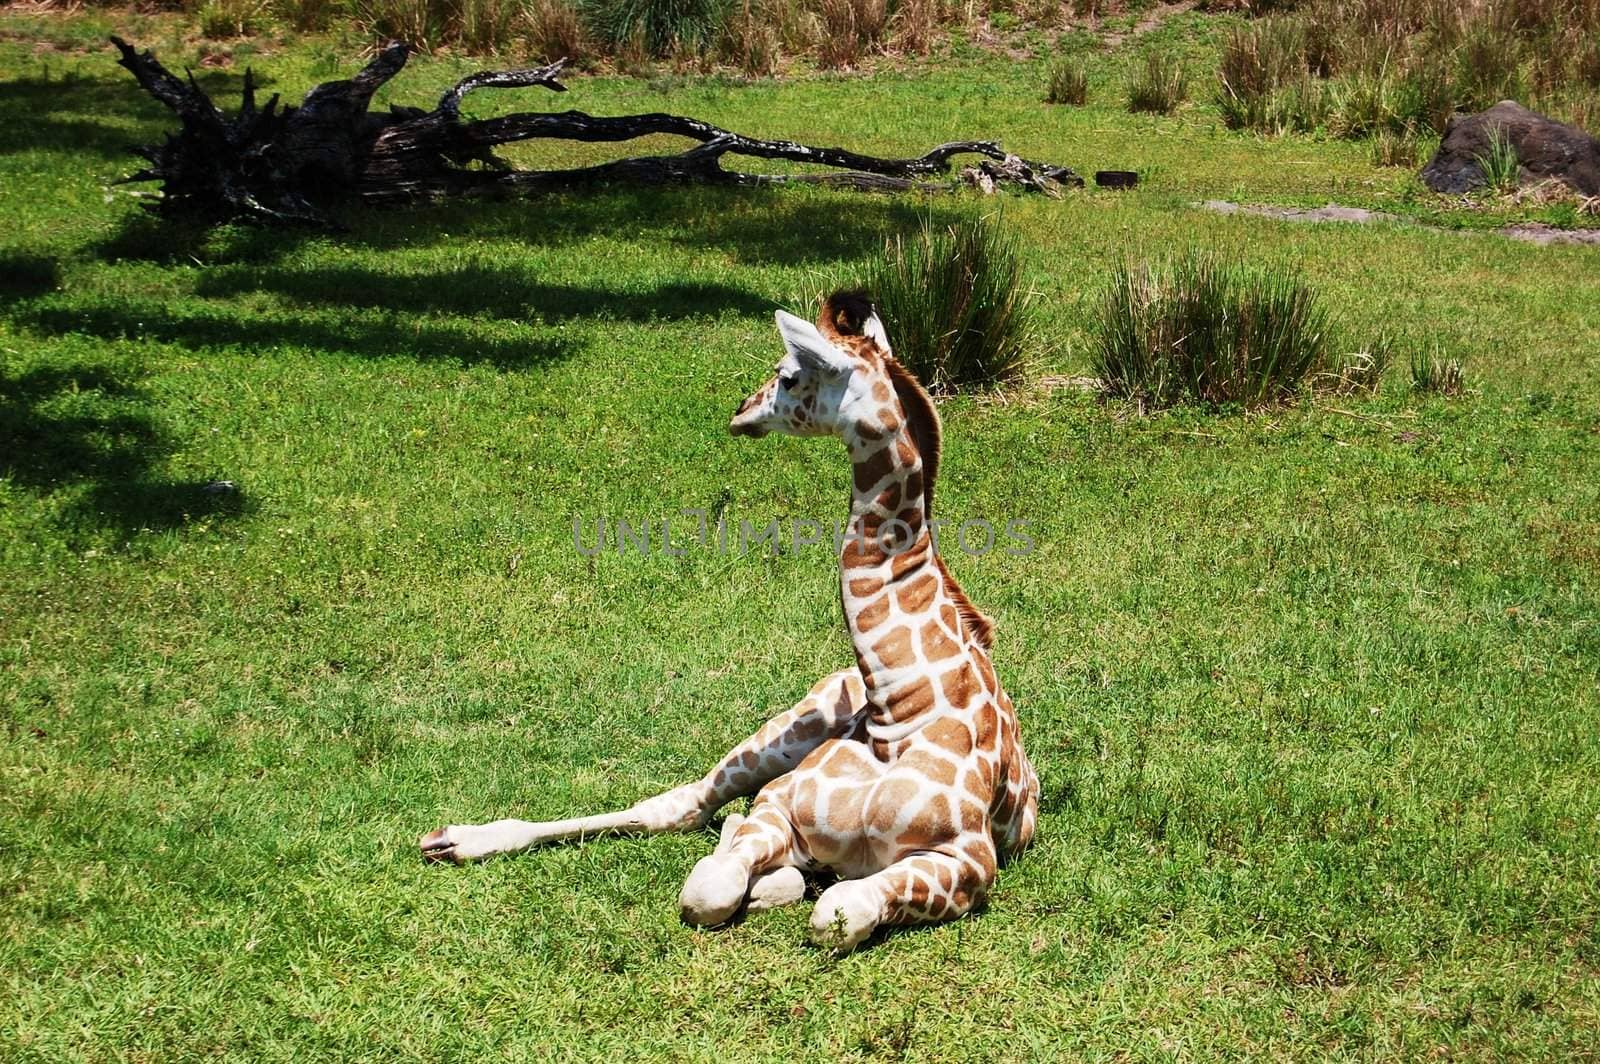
[(657, 28), (955, 303), (1159, 85), (1435, 375), (1499, 164), (1209, 329), (1069, 83)]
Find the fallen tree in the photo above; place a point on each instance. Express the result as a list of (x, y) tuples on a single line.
[(294, 164)]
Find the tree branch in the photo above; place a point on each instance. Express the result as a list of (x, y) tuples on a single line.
[(296, 164)]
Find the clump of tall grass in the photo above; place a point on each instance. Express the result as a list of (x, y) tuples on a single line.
[(1357, 372), (220, 19), (659, 27), (483, 27), (1205, 328), (1433, 374), (1257, 60), (308, 15), (1490, 67), (750, 41), (849, 30), (1159, 84), (1404, 66), (1396, 149), (915, 26), (1499, 164), (956, 303), (1068, 82), (553, 29), (419, 23)]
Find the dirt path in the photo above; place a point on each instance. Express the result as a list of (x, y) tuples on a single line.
[(1531, 232)]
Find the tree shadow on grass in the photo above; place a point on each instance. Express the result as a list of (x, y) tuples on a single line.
[(80, 114), (755, 227), (202, 327), (70, 425), (478, 290)]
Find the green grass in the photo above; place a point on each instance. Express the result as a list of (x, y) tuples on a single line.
[(1311, 693)]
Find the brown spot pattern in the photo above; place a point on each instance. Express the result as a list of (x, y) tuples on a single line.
[(936, 646), (874, 614), (894, 649), (917, 595)]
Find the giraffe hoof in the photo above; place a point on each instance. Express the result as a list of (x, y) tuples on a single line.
[(437, 848), (843, 919), (714, 890), (782, 886)]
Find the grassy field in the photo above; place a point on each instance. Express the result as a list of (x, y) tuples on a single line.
[(1313, 693)]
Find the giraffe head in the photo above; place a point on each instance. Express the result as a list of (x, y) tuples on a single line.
[(834, 378)]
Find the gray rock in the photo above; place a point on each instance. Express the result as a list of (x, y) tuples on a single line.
[(1545, 148)]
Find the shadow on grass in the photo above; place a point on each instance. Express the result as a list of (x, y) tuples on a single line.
[(23, 276), (79, 114), (63, 426), (202, 327), (478, 290), (757, 227)]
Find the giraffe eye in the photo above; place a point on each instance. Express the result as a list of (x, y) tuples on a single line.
[(788, 380)]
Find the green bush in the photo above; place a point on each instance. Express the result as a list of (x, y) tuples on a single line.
[(1208, 329), (956, 304)]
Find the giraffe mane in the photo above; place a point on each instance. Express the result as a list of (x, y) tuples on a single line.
[(850, 315)]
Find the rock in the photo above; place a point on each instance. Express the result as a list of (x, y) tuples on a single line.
[(1545, 148)]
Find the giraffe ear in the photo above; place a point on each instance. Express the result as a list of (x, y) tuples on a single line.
[(810, 348)]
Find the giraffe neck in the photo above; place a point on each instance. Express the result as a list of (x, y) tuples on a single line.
[(890, 594)]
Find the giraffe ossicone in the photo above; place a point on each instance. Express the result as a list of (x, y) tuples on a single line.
[(904, 775)]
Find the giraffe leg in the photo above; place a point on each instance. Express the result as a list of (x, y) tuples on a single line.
[(751, 859), (826, 712), (918, 889), (768, 890)]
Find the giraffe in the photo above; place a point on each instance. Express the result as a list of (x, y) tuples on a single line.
[(904, 775)]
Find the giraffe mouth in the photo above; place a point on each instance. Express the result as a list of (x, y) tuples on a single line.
[(755, 432)]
